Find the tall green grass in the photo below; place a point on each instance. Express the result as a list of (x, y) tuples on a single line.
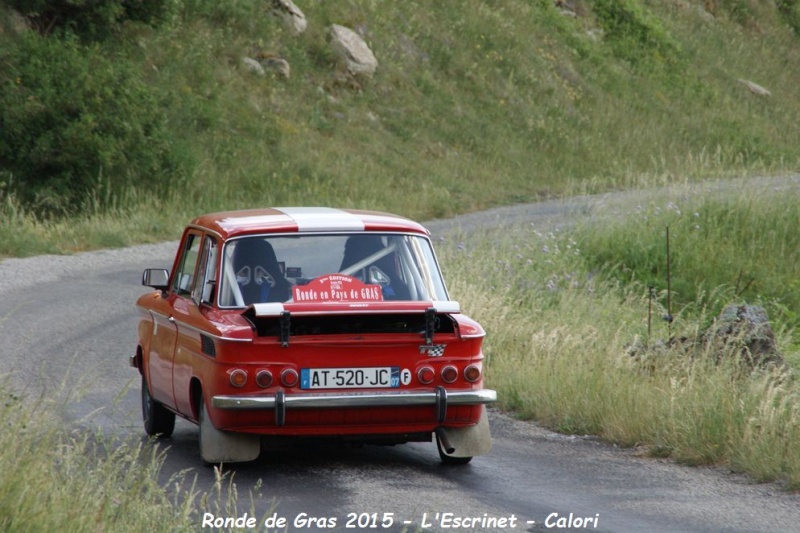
[(723, 246), (563, 322), (65, 476), (57, 478)]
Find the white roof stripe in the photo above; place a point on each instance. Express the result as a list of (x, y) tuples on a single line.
[(323, 219)]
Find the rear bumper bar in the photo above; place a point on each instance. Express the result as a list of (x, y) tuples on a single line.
[(280, 401)]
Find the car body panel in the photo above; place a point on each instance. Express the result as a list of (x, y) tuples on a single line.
[(359, 339)]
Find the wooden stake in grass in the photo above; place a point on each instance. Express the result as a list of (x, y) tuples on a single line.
[(650, 298), (668, 316)]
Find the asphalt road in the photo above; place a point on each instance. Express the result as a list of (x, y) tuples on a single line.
[(68, 324)]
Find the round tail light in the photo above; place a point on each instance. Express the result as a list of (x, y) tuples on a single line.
[(449, 374), (472, 373), (264, 378), (238, 377), (425, 375), (289, 377)]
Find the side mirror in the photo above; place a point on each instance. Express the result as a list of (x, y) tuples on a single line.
[(157, 278)]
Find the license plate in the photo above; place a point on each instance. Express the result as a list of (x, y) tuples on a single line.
[(350, 378)]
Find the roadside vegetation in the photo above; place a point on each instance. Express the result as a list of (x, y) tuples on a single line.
[(578, 344), (120, 123), (119, 126), (61, 476)]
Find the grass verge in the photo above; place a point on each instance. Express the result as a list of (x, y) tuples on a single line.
[(59, 477), (562, 326)]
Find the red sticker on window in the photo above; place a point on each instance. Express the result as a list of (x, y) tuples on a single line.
[(337, 288)]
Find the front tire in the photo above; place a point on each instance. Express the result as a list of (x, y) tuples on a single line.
[(158, 420)]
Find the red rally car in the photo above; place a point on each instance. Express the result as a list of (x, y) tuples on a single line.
[(310, 322)]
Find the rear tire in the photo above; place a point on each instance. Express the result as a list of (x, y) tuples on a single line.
[(158, 420)]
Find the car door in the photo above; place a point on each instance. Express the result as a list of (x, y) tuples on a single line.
[(194, 343), (165, 334)]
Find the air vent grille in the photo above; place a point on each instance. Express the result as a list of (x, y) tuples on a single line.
[(207, 345)]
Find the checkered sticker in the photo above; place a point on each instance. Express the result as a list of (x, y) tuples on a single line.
[(432, 350)]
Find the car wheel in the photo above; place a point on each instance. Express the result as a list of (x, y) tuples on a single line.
[(158, 420), (449, 459)]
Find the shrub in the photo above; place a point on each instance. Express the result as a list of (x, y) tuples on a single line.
[(635, 35), (223, 14), (78, 127), (790, 11), (91, 19)]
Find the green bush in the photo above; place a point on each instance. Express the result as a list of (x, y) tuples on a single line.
[(743, 12), (223, 14), (78, 128), (635, 35), (91, 19), (790, 11)]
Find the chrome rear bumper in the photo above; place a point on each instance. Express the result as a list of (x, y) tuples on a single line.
[(280, 401)]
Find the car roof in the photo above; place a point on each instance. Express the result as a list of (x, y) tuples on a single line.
[(229, 224)]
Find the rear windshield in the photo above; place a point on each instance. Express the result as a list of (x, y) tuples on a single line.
[(329, 267)]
